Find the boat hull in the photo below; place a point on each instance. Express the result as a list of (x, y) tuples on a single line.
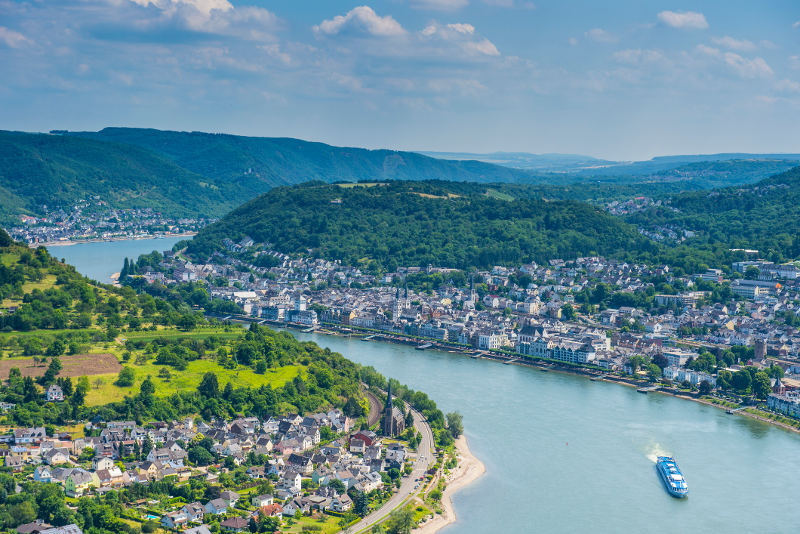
[(672, 477)]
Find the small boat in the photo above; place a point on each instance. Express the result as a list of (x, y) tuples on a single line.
[(672, 476)]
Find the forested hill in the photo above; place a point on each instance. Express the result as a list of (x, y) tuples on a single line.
[(763, 216), (53, 170), (417, 223), (256, 164)]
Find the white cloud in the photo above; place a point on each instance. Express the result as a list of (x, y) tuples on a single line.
[(572, 41), (741, 45), (361, 19), (796, 25), (794, 62), (484, 46), (788, 86), (211, 16), (466, 29), (684, 19), (463, 35), (599, 35), (638, 56), (744, 67), (439, 5), (203, 6), (708, 50), (12, 38), (747, 68)]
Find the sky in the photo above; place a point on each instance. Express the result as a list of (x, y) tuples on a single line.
[(624, 80)]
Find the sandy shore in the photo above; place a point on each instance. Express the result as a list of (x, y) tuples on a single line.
[(469, 469)]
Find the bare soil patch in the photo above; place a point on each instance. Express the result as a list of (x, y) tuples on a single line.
[(72, 365)]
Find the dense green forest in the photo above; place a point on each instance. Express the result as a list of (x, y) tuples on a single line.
[(417, 223), (763, 216), (53, 170)]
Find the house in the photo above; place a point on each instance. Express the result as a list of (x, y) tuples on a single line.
[(56, 456), (174, 520), (78, 482), (202, 529), (33, 528), (260, 501), (300, 463), (194, 512), (217, 506), (231, 496), (66, 529), (15, 462), (42, 474), (103, 462), (54, 393), (341, 503), (271, 510), (234, 524), (296, 505)]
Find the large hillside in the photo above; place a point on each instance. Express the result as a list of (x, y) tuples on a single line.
[(763, 216), (259, 163), (53, 170), (407, 223)]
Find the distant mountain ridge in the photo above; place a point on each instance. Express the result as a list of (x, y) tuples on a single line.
[(259, 163)]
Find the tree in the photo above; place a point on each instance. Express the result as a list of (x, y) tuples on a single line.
[(705, 387), (200, 455), (361, 507), (209, 386), (653, 372), (147, 390), (401, 521), (752, 273), (337, 485), (56, 348), (567, 312), (741, 381), (761, 385), (455, 424), (126, 377)]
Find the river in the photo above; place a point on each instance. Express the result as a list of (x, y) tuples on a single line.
[(99, 260), (565, 454)]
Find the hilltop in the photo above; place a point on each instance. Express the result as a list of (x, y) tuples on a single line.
[(416, 223), (763, 216)]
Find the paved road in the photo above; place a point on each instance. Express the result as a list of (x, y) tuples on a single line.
[(425, 457)]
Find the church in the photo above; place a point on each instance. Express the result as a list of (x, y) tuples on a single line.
[(394, 423)]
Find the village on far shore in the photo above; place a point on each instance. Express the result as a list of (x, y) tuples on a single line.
[(700, 332)]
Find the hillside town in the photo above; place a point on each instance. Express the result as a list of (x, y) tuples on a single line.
[(592, 311), (92, 219), (249, 471)]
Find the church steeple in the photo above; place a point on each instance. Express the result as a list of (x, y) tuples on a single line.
[(387, 416)]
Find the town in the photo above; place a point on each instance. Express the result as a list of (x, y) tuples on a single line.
[(244, 473), (92, 219), (698, 332)]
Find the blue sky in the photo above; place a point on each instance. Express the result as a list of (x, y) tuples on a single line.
[(614, 79)]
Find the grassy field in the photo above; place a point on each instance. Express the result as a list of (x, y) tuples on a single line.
[(327, 523), (45, 283), (104, 391)]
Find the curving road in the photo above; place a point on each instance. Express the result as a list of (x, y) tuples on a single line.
[(425, 457)]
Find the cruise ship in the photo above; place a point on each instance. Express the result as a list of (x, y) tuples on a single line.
[(672, 477)]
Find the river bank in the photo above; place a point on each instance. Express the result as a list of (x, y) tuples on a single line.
[(468, 470), (546, 365), (70, 242)]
